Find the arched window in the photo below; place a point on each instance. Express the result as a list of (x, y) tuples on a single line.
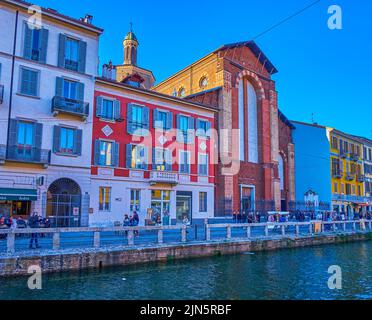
[(252, 124), (241, 121), (281, 172), (203, 83), (181, 92)]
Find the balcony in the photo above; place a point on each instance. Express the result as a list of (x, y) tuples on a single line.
[(350, 198), (343, 154), (350, 176), (354, 156), (163, 177), (1, 93), (70, 106), (337, 174), (361, 178), (25, 154)]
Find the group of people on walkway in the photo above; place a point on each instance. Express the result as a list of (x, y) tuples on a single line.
[(298, 216)]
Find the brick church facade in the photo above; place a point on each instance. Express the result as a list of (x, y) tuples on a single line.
[(256, 164)]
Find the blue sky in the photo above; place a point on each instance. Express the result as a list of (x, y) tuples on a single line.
[(321, 71)]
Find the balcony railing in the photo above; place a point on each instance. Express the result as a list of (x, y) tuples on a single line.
[(343, 154), (349, 176), (28, 154), (163, 177), (70, 106), (1, 93), (354, 156), (337, 174), (350, 198)]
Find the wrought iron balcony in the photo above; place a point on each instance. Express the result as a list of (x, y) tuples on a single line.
[(1, 93), (361, 178), (354, 156), (350, 198), (163, 177), (350, 176), (337, 174), (70, 106), (343, 154), (27, 154)]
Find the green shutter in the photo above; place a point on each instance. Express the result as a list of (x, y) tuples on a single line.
[(99, 103), (38, 134), (78, 140), (116, 154), (169, 120), (145, 121), (13, 132), (191, 131), (154, 158), (129, 119), (61, 51), (97, 145), (80, 91), (44, 34), (56, 139), (117, 110), (168, 160), (34, 80), (82, 56), (156, 117), (59, 87), (180, 136), (128, 155), (209, 133), (145, 160), (27, 49), (25, 80)]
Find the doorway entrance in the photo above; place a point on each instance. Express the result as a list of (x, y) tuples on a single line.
[(247, 199), (64, 203), (184, 208), (160, 205)]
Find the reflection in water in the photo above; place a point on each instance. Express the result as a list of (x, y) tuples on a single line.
[(287, 274)]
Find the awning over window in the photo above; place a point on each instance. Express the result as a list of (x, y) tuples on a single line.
[(18, 194)]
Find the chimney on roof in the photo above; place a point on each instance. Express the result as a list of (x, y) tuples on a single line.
[(88, 19)]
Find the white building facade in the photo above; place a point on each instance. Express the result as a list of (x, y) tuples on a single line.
[(47, 72)]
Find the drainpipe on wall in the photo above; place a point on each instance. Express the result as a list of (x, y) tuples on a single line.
[(11, 82)]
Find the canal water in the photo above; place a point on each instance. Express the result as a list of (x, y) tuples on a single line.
[(285, 274)]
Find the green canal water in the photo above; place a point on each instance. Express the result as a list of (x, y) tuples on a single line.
[(286, 274)]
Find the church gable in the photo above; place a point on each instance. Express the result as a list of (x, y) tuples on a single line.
[(249, 56)]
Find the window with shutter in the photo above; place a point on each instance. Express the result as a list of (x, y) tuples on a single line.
[(138, 120), (106, 153), (202, 128), (203, 164), (35, 43), (184, 162), (71, 54), (162, 160), (29, 82)]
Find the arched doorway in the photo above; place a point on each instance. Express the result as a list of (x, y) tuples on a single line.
[(64, 203)]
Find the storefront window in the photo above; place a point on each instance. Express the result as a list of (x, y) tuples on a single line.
[(160, 204), (135, 201)]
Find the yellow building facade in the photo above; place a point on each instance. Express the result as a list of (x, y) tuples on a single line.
[(347, 173)]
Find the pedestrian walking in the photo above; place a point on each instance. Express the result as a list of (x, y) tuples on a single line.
[(33, 223)]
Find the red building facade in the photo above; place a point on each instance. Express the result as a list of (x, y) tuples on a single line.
[(256, 154), (152, 154)]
